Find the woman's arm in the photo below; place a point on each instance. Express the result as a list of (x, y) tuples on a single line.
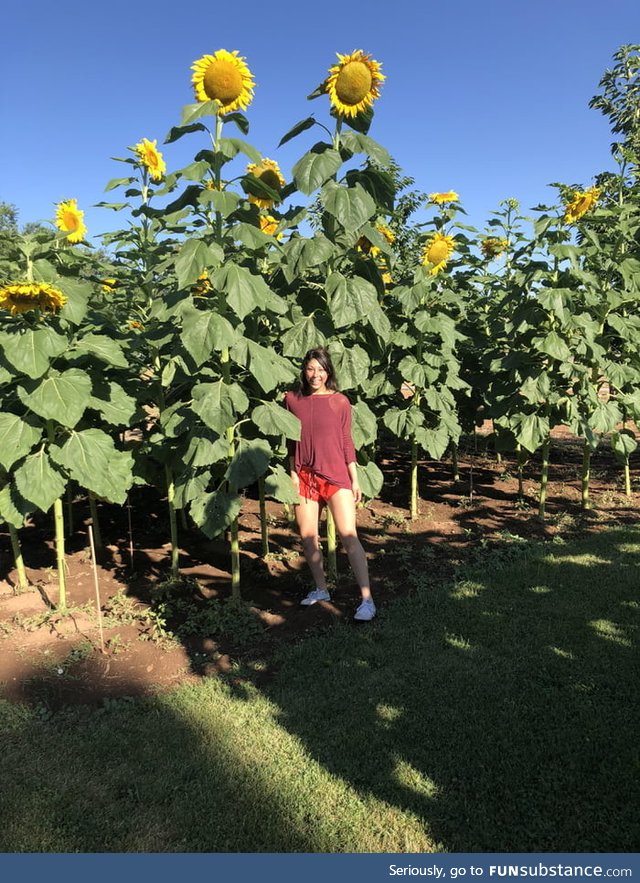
[(355, 484)]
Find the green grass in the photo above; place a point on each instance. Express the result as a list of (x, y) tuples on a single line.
[(498, 713)]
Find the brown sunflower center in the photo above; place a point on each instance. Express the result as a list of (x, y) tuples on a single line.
[(270, 178), (222, 81), (353, 83)]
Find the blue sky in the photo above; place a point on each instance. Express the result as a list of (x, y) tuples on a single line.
[(486, 98)]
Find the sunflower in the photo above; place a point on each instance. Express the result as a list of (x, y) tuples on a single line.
[(364, 245), (267, 171), (442, 198), (108, 285), (581, 202), (134, 325), (269, 225), (387, 278), (354, 83), (70, 219), (151, 158), (492, 247), (437, 251), (223, 77), (203, 285), (22, 297)]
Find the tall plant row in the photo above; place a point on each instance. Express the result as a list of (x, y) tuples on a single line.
[(162, 359)]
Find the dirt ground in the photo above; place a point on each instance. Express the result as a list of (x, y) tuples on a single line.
[(49, 660)]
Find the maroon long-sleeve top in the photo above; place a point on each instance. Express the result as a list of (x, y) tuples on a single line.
[(326, 445)]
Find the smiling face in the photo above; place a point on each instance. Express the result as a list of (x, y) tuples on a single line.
[(316, 377)]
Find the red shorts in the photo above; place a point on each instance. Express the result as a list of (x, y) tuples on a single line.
[(315, 487)]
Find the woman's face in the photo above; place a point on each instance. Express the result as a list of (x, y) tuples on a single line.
[(316, 377)]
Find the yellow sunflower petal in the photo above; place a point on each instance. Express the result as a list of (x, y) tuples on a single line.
[(267, 171), (581, 202), (70, 220), (224, 77), (22, 297), (151, 158), (354, 83), (443, 198), (437, 251), (492, 247)]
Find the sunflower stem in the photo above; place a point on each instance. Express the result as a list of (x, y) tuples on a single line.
[(23, 582), (332, 560), (97, 533), (173, 522)]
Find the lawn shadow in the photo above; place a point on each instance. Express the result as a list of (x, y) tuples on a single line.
[(500, 708)]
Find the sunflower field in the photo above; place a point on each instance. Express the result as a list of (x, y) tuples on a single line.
[(163, 359)]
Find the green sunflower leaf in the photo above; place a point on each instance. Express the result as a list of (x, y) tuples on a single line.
[(39, 482), (274, 419), (316, 167), (213, 513), (30, 351), (249, 462), (61, 397), (17, 436)]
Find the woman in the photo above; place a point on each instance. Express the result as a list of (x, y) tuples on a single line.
[(323, 468)]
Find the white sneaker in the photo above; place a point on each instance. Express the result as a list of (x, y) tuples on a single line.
[(366, 611), (314, 596)]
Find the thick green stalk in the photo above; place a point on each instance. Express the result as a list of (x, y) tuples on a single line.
[(264, 527), (413, 505), (97, 533), (59, 524), (332, 559), (23, 582), (586, 474), (235, 560), (627, 477), (173, 521), (544, 478), (58, 515)]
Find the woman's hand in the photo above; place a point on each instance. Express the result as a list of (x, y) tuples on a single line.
[(357, 493), (295, 478)]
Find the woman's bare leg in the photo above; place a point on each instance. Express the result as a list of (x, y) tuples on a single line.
[(343, 509), (307, 517)]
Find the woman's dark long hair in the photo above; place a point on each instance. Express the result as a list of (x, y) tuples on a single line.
[(321, 355)]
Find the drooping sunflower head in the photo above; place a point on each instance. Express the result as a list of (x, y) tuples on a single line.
[(367, 247), (203, 285), (150, 158), (581, 202), (70, 220), (444, 198), (354, 83), (268, 172), (22, 297), (493, 247), (224, 77), (437, 251)]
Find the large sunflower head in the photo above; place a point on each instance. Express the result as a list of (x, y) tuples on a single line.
[(437, 251), (581, 202), (224, 77), (444, 198), (267, 171), (70, 219), (493, 247), (354, 83), (22, 297), (203, 285), (150, 158)]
